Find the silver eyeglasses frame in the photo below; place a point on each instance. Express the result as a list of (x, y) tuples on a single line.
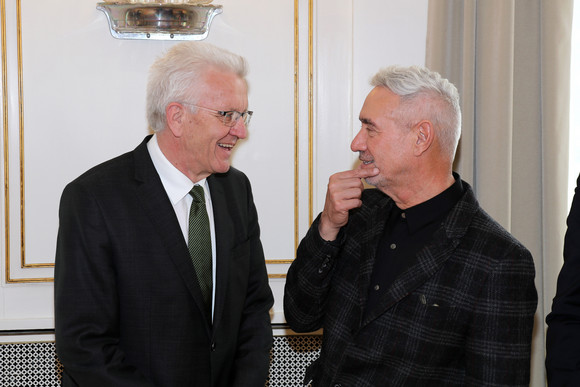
[(228, 117)]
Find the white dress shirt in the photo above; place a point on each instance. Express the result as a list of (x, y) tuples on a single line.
[(177, 186)]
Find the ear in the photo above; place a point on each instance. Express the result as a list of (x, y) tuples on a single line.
[(175, 116), (425, 137)]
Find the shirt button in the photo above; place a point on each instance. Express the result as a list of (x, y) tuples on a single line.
[(404, 216), (212, 347), (393, 246), (377, 287)]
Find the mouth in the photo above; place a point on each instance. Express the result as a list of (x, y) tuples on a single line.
[(366, 160), (228, 147), (367, 163)]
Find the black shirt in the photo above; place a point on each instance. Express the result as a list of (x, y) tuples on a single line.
[(406, 233)]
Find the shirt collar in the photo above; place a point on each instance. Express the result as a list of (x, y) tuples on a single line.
[(433, 209), (176, 184)]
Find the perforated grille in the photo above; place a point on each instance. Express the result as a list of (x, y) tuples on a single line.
[(36, 365), (29, 365), (290, 357)]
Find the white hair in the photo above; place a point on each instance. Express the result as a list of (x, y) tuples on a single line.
[(177, 75), (425, 95)]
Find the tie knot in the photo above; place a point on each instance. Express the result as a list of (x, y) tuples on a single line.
[(197, 194)]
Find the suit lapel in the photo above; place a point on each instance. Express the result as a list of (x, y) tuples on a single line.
[(157, 205), (431, 258), (368, 233), (224, 235), (375, 226)]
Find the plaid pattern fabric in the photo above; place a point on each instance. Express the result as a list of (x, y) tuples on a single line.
[(461, 315)]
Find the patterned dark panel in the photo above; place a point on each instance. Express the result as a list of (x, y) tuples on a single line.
[(290, 357), (36, 364), (29, 365)]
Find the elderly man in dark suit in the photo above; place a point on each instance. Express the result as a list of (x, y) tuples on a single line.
[(412, 282), (154, 285), (563, 336)]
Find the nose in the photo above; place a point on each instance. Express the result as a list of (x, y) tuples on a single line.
[(240, 130), (358, 144)]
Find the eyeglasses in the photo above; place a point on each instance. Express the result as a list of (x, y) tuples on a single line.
[(230, 117)]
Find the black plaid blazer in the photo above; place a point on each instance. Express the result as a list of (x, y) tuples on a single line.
[(463, 314)]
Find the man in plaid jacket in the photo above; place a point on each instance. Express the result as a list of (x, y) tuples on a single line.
[(412, 282)]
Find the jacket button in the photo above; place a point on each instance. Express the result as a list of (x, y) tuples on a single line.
[(212, 347)]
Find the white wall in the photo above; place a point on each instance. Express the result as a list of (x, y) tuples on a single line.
[(80, 94)]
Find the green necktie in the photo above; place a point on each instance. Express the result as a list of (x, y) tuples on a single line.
[(199, 244)]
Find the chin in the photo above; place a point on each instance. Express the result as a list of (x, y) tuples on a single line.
[(371, 181), (377, 181), (222, 169)]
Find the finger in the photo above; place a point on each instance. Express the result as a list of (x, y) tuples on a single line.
[(338, 193), (346, 194), (356, 173), (349, 204), (345, 181), (361, 173)]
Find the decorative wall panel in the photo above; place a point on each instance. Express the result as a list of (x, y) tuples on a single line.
[(72, 96), (36, 364)]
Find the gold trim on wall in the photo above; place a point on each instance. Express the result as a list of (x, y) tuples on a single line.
[(6, 147), (297, 128), (310, 109), (5, 131), (21, 147), (296, 124), (276, 275), (279, 261), (21, 150)]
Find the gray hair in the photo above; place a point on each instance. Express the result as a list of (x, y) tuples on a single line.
[(425, 95), (176, 76)]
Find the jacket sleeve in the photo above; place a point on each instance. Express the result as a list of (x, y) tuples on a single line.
[(563, 336), (86, 303), (498, 343), (252, 360), (308, 280)]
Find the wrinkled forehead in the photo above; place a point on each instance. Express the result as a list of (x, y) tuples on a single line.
[(379, 103), (225, 87)]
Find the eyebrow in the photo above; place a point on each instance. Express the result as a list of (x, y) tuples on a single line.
[(367, 121)]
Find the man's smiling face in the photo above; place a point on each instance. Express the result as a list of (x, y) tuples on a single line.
[(208, 143)]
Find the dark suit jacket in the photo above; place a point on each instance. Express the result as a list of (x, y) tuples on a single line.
[(127, 304), (462, 314), (563, 337)]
